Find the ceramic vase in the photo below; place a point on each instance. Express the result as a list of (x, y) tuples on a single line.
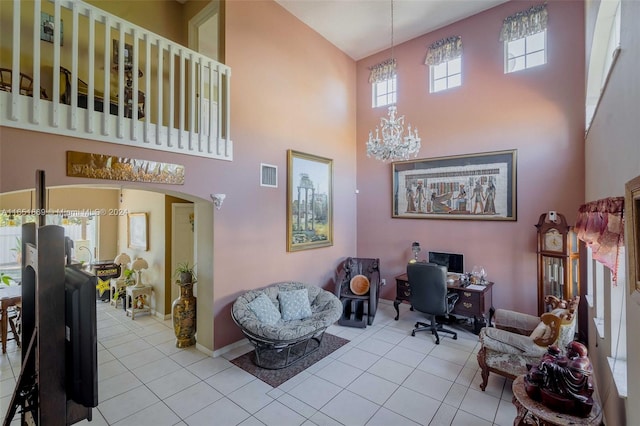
[(183, 312)]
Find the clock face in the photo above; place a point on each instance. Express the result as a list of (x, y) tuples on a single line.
[(553, 240)]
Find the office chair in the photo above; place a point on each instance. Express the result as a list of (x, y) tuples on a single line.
[(428, 285)]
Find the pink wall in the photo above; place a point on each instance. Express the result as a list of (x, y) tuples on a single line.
[(539, 112), (291, 89)]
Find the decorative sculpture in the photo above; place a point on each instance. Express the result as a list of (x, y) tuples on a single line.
[(563, 382)]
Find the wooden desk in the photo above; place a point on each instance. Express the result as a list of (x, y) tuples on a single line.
[(477, 304), (9, 296), (533, 412)]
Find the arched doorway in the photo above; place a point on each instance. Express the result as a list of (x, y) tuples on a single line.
[(106, 208)]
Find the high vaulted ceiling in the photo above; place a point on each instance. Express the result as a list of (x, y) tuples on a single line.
[(363, 27)]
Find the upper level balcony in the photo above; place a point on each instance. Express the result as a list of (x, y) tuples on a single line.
[(69, 68)]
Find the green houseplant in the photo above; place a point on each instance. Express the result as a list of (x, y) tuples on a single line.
[(5, 279), (129, 279), (186, 272)]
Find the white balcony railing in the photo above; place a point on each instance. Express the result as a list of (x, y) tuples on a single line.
[(158, 95)]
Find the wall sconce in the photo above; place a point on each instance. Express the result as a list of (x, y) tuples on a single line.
[(218, 199)]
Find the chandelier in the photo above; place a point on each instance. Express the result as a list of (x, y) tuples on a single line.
[(394, 145)]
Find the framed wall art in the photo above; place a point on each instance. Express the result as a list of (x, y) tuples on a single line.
[(47, 28), (474, 186), (138, 231), (309, 201), (632, 236)]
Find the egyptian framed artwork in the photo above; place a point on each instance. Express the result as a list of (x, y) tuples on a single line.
[(309, 201), (474, 186)]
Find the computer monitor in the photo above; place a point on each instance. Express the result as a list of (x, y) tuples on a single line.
[(453, 262)]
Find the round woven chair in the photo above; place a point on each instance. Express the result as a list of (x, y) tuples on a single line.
[(286, 342)]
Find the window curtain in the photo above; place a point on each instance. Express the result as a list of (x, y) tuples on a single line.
[(382, 71), (444, 50), (524, 23), (600, 224)]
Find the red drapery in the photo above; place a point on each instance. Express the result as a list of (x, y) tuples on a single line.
[(600, 224)]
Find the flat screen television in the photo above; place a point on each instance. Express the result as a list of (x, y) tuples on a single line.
[(453, 262), (81, 339)]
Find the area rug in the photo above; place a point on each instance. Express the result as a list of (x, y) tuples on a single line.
[(275, 378)]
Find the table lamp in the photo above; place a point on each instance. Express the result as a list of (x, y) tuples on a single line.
[(415, 248), (138, 265), (123, 260)]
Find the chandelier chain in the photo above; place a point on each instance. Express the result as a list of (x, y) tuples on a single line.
[(391, 30)]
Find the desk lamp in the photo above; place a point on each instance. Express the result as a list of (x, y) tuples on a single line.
[(138, 265), (415, 248)]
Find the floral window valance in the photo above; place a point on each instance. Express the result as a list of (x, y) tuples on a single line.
[(382, 71), (600, 224), (444, 50), (525, 23)]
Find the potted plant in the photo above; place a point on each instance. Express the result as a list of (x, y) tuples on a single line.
[(186, 272), (129, 279), (5, 279), (17, 249)]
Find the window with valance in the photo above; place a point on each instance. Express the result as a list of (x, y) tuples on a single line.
[(382, 71), (444, 50), (444, 58), (524, 36), (383, 83), (600, 224), (525, 23)]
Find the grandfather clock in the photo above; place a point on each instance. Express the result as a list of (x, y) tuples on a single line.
[(558, 259)]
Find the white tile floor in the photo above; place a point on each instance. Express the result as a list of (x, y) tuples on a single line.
[(382, 377)]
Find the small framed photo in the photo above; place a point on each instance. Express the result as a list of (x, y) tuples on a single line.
[(138, 231), (128, 53), (47, 28)]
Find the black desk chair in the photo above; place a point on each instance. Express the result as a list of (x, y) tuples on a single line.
[(428, 284)]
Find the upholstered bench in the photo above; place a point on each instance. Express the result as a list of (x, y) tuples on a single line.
[(285, 321)]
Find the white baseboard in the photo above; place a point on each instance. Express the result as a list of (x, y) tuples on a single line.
[(161, 316), (229, 348), (205, 350)]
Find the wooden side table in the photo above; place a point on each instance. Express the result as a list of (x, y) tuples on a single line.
[(132, 295), (116, 285), (532, 412)]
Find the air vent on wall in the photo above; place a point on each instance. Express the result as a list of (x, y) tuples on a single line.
[(268, 175)]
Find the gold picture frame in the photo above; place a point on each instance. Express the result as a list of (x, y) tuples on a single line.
[(309, 201), (632, 236), (138, 231)]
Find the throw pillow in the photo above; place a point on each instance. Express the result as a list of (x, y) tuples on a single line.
[(294, 304), (264, 309)]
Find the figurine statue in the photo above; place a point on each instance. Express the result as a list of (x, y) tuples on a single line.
[(563, 382)]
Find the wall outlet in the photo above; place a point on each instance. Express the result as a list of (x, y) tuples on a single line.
[(383, 282)]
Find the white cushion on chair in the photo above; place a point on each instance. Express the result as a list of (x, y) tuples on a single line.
[(264, 309)]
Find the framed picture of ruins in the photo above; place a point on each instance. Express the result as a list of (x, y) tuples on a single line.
[(309, 201), (474, 186)]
